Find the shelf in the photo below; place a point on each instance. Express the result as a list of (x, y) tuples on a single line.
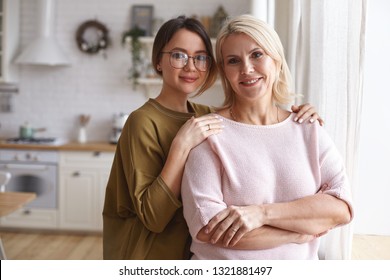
[(150, 82), (146, 40)]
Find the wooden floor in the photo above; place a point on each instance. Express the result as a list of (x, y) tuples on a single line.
[(54, 246), (51, 246)]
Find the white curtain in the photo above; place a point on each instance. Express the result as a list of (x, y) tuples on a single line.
[(325, 50)]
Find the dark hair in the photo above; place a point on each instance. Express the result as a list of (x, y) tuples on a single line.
[(165, 34)]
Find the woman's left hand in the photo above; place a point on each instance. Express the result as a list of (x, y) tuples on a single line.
[(306, 112), (232, 223)]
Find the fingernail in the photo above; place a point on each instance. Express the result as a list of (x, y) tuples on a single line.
[(300, 121), (206, 231), (311, 120), (296, 119)]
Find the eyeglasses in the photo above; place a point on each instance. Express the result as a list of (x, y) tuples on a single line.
[(179, 60)]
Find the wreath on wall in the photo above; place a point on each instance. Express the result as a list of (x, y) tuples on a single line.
[(92, 37)]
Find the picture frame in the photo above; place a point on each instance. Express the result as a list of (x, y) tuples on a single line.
[(142, 17)]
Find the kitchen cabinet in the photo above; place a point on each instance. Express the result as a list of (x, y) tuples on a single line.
[(31, 219), (82, 181), (9, 39)]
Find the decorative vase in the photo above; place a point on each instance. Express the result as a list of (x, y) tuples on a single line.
[(82, 136)]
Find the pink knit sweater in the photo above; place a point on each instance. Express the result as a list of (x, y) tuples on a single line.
[(250, 164)]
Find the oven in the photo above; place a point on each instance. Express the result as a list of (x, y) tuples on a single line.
[(32, 171)]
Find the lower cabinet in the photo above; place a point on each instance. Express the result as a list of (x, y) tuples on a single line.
[(31, 218), (83, 179)]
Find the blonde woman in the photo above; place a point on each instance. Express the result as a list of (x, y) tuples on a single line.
[(265, 187)]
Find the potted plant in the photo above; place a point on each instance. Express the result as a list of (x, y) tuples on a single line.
[(132, 36)]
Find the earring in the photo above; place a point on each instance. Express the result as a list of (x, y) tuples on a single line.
[(159, 68)]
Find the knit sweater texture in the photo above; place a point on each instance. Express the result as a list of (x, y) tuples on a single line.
[(252, 164)]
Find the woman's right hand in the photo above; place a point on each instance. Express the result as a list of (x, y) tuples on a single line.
[(191, 134), (196, 130), (232, 223)]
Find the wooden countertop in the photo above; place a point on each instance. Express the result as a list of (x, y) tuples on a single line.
[(12, 201), (89, 146), (72, 146)]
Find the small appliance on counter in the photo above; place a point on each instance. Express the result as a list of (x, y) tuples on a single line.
[(117, 126)]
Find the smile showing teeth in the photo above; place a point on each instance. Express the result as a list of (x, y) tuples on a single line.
[(250, 82)]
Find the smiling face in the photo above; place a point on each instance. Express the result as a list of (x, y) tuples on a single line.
[(249, 70), (188, 79)]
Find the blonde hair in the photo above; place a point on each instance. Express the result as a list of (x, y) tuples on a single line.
[(269, 41)]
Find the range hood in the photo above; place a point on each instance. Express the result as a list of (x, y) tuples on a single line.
[(44, 49)]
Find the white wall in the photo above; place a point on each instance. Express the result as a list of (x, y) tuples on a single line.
[(54, 97), (373, 192)]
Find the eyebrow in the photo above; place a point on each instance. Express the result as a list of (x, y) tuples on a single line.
[(251, 51)]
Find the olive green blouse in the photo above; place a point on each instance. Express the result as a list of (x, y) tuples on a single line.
[(142, 219)]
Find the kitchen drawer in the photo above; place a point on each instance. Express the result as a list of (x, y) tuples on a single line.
[(86, 159), (31, 218)]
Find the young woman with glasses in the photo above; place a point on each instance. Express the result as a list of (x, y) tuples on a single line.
[(142, 215)]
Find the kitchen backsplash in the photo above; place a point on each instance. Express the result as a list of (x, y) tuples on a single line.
[(54, 97)]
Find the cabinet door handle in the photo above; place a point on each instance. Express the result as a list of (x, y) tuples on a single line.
[(76, 174)]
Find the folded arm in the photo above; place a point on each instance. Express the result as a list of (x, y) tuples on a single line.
[(312, 215), (309, 215), (265, 237)]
